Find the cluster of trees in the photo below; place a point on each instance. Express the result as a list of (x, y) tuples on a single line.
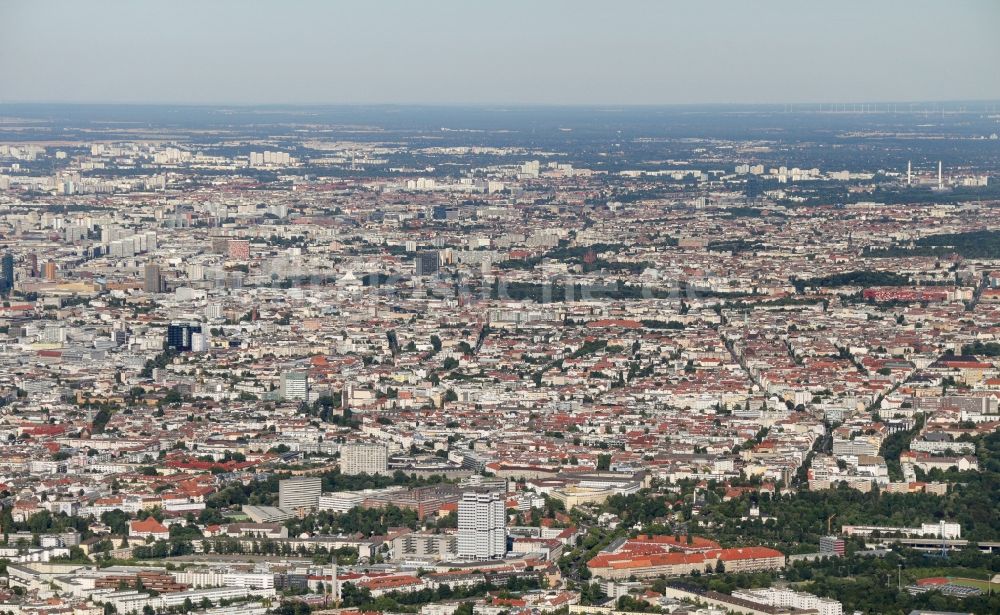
[(751, 212), (869, 584), (325, 409), (574, 563), (540, 292), (343, 556), (589, 347), (896, 444), (163, 548), (852, 278), (724, 582), (661, 324), (357, 520), (292, 607), (396, 602), (569, 254), (43, 522), (640, 507), (117, 521), (266, 546), (801, 518), (185, 532), (735, 246), (101, 419), (158, 362), (582, 256), (76, 555), (451, 520), (592, 593), (335, 481), (989, 349), (973, 244), (630, 604), (258, 493), (604, 462)]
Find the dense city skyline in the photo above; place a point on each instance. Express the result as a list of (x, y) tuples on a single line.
[(509, 308), (385, 357)]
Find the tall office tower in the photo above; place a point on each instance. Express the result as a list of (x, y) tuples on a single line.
[(482, 526), (426, 263), (49, 270), (909, 173), (940, 182), (295, 386), (364, 458), (299, 492), (153, 281), (33, 264), (7, 271), (179, 336)]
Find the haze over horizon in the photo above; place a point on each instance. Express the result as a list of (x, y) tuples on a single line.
[(555, 53)]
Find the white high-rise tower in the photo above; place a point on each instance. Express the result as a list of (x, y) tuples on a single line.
[(909, 173), (940, 182), (482, 526)]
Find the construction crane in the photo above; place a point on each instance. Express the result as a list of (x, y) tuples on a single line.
[(829, 521)]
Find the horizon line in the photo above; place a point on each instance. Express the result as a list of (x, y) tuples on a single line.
[(495, 104)]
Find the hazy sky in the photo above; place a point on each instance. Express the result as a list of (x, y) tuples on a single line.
[(506, 51)]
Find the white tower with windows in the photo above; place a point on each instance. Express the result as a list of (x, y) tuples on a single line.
[(482, 526)]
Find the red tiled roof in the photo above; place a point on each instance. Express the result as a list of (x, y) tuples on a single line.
[(148, 525), (391, 582), (729, 555), (627, 560)]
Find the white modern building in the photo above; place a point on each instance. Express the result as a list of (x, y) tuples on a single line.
[(482, 526), (295, 386), (204, 577), (269, 158), (941, 529), (340, 501), (783, 597), (299, 492), (364, 458)]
